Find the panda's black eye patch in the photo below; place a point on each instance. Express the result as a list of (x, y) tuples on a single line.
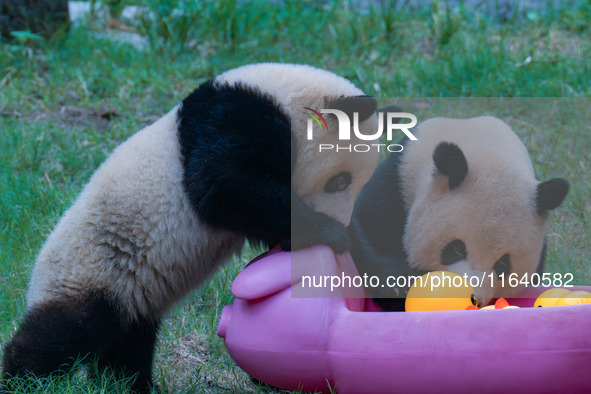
[(503, 265), (453, 252), (338, 183)]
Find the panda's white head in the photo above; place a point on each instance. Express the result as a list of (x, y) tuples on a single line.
[(327, 181), (474, 205)]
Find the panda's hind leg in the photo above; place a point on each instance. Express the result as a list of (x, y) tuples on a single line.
[(53, 335), (133, 354)]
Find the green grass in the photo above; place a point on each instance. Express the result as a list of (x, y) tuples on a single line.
[(53, 93)]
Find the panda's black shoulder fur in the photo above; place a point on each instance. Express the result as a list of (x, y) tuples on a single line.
[(236, 149), (379, 210), (377, 230)]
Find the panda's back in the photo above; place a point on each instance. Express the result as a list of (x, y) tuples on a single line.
[(132, 232)]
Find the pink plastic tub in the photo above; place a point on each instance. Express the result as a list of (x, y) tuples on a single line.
[(310, 344)]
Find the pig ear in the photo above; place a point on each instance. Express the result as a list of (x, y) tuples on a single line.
[(550, 194), (364, 105), (451, 162)]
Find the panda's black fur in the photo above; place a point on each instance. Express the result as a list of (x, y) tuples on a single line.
[(230, 176), (226, 170), (233, 155), (377, 250), (77, 329), (239, 179)]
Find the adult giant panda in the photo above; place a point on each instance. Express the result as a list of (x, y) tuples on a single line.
[(462, 198), (178, 199)]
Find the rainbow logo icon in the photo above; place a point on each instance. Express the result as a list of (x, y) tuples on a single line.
[(316, 115)]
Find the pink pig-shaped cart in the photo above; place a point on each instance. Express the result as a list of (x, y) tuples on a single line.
[(344, 344)]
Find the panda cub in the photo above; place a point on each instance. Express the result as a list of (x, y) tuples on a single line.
[(178, 199), (462, 198)]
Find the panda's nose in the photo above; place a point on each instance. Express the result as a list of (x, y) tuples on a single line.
[(484, 295), (476, 278)]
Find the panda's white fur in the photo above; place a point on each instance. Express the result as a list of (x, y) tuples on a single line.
[(462, 198), (135, 235), (134, 203)]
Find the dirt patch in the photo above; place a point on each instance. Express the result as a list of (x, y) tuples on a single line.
[(96, 117), (187, 365)]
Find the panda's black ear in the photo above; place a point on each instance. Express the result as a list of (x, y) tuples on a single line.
[(364, 105), (385, 110), (451, 162), (389, 108), (550, 194)]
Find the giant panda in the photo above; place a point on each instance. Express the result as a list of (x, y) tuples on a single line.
[(463, 198), (175, 201)]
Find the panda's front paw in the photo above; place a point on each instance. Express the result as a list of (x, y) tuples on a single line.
[(334, 235), (337, 237)]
